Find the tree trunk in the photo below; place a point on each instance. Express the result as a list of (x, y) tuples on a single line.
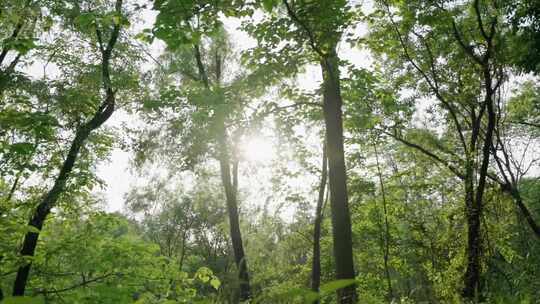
[(316, 263), (48, 202), (341, 220), (230, 186), (472, 285), (104, 111), (230, 183), (386, 243)]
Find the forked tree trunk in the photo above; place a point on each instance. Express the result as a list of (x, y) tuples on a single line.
[(473, 283), (230, 182)]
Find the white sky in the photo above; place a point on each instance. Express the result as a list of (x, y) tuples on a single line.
[(116, 172)]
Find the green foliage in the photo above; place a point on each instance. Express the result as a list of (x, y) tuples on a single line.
[(302, 295), (23, 300), (181, 22), (524, 107), (205, 94), (524, 19)]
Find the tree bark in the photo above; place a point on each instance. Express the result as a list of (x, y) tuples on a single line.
[(316, 263), (337, 174), (472, 213), (230, 186), (230, 182), (341, 219), (473, 284)]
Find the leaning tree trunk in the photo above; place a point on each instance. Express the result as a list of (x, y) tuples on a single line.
[(316, 263), (230, 186), (49, 201), (341, 219), (43, 209)]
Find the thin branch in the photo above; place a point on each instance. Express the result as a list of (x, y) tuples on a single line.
[(524, 123), (99, 39), (479, 20), (311, 37), (467, 48), (426, 152), (84, 283), (200, 65), (432, 83)]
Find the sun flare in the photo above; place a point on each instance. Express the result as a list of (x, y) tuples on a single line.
[(258, 149)]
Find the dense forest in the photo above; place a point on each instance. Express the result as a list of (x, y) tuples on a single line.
[(269, 151)]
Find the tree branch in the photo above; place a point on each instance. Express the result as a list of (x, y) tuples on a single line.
[(304, 27), (426, 152), (83, 283), (433, 84)]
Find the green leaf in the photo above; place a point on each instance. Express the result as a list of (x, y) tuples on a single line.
[(117, 19), (333, 286), (268, 5), (215, 283), (86, 20)]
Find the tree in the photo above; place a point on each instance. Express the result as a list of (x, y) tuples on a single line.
[(317, 31), (217, 100), (468, 97), (104, 111), (417, 121), (20, 19)]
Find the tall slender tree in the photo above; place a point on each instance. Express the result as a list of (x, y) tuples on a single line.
[(102, 114), (203, 63), (228, 167), (318, 28)]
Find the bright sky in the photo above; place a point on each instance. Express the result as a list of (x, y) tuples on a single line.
[(257, 149)]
